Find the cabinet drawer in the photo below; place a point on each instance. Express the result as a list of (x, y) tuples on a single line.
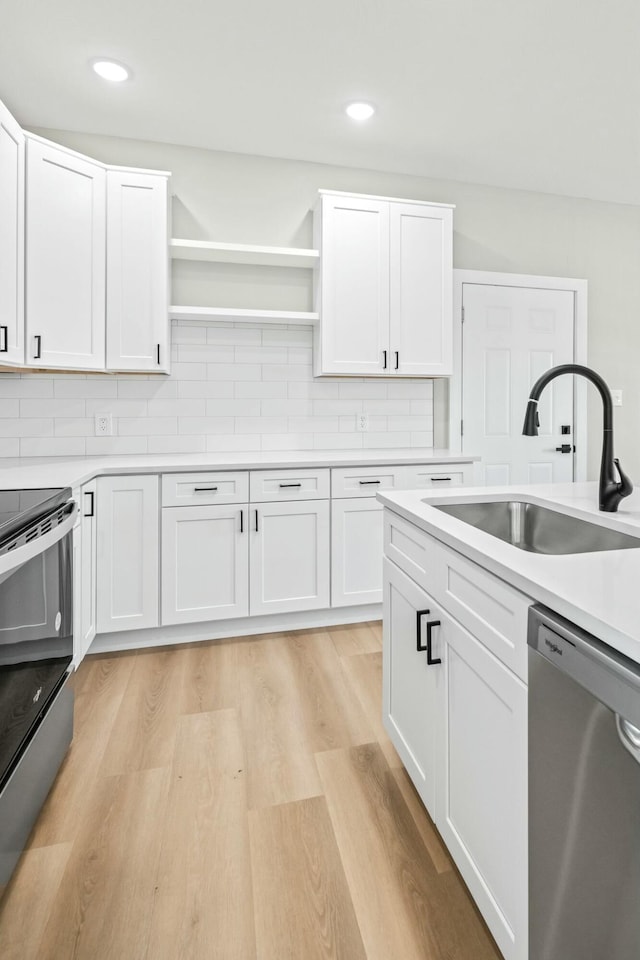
[(189, 489), (436, 476), (488, 607), (365, 481), (268, 486)]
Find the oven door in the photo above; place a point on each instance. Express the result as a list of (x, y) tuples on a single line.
[(36, 635)]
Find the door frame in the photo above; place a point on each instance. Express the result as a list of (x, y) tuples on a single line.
[(489, 278)]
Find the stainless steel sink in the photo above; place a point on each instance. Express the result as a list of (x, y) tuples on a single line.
[(538, 529)]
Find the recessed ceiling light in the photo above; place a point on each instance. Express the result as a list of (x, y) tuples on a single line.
[(111, 70), (360, 111)]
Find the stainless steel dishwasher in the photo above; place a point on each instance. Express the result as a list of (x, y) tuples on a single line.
[(584, 795)]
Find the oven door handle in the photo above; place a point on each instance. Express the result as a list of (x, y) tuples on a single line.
[(15, 558)]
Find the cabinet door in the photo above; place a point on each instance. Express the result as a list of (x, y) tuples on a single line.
[(137, 272), (411, 687), (88, 581), (354, 287), (421, 289), (356, 551), (289, 557), (65, 259), (481, 806), (205, 563), (128, 560), (11, 240)]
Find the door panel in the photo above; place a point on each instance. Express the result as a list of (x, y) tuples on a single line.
[(510, 336), (11, 240), (356, 551)]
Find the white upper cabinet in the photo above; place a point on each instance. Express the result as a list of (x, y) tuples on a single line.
[(65, 256), (384, 287), (11, 240), (137, 271)]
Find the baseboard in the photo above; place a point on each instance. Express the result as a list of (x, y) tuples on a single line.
[(242, 627)]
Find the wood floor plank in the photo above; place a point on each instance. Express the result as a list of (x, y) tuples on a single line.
[(295, 702), (404, 907), (355, 638), (103, 908), (204, 905), (312, 918), (364, 673), (210, 677), (430, 836), (98, 698), (27, 902), (143, 735)]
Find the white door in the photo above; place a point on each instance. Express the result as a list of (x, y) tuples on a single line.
[(137, 266), (356, 551), (354, 331), (411, 685), (289, 556), (89, 558), (11, 240), (481, 803), (128, 553), (421, 290), (510, 336), (205, 563), (65, 259)]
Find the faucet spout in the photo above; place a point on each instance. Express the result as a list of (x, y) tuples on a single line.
[(612, 490)]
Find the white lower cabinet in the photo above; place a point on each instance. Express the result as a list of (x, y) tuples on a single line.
[(128, 553), (289, 556), (356, 551), (205, 563), (88, 580), (459, 724)]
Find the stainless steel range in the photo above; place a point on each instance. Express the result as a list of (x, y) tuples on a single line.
[(36, 650)]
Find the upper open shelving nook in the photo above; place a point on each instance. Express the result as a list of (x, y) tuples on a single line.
[(247, 253)]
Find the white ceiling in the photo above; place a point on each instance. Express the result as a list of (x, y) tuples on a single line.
[(538, 94)]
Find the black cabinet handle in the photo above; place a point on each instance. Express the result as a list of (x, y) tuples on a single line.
[(5, 339), (90, 493), (384, 359), (158, 353), (439, 479), (432, 661), (38, 351), (256, 521), (565, 448), (203, 489), (290, 485), (242, 521), (397, 359), (364, 483)]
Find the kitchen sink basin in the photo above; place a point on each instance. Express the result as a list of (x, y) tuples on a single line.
[(537, 529)]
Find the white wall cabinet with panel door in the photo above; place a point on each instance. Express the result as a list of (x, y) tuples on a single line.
[(65, 258), (289, 556), (137, 271), (383, 288), (205, 563), (12, 204), (128, 553)]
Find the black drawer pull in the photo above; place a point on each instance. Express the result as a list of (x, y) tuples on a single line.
[(432, 661), (397, 360), (203, 489), (256, 521), (158, 353), (290, 484), (5, 339), (364, 483), (384, 359), (90, 493), (242, 521), (38, 351), (439, 479)]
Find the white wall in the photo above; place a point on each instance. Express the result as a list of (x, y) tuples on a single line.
[(223, 196)]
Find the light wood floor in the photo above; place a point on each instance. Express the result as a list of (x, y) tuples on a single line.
[(237, 800)]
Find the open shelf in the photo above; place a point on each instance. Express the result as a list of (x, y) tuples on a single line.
[(240, 315), (243, 253)]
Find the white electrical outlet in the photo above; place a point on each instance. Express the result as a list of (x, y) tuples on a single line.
[(104, 424), (616, 396), (362, 422)]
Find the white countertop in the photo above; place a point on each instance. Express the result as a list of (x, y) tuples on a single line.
[(71, 473), (599, 592)]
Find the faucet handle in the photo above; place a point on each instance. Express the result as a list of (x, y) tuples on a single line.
[(625, 486)]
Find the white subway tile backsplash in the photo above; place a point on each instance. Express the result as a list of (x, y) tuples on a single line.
[(233, 387)]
